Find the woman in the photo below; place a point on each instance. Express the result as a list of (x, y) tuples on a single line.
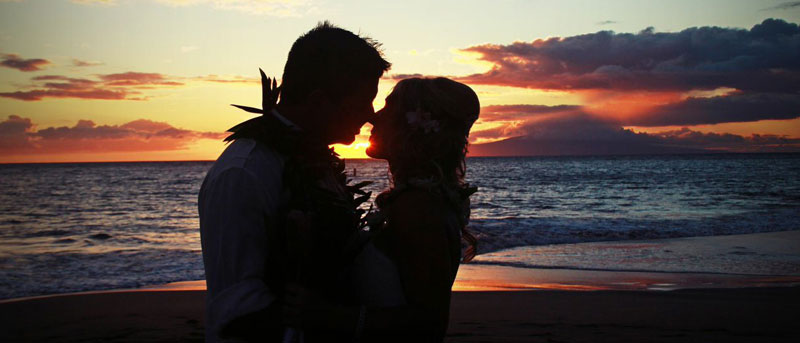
[(403, 275)]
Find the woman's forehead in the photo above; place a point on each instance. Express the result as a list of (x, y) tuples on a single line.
[(392, 96)]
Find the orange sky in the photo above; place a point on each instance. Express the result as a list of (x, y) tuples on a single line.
[(153, 80)]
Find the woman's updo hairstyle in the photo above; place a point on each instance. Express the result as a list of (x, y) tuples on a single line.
[(435, 116)]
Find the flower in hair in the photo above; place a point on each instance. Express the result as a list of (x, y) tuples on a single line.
[(422, 120)]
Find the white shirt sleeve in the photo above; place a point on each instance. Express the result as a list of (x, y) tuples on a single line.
[(236, 207)]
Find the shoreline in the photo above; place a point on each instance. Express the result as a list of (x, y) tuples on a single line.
[(498, 278), (492, 272), (490, 302)]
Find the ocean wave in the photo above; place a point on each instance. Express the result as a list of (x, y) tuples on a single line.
[(504, 233), (47, 233), (67, 272)]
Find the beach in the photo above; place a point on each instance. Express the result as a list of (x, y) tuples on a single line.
[(709, 315), (491, 303)]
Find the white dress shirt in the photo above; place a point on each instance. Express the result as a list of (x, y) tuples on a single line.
[(238, 202)]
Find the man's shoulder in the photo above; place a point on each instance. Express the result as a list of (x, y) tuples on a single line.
[(251, 156)]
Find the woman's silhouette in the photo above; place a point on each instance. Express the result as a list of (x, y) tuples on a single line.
[(401, 279)]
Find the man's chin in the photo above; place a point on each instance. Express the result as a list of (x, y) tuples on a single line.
[(374, 153)]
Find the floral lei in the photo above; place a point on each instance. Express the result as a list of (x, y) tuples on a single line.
[(314, 173)]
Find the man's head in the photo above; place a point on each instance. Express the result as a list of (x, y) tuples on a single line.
[(331, 76)]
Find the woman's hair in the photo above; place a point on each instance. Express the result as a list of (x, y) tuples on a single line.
[(434, 118)]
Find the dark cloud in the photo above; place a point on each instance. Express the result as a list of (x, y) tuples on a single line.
[(14, 133), (729, 142), (575, 133), (17, 137), (121, 86), (736, 107), (15, 124), (784, 6), (16, 62), (80, 63), (765, 58)]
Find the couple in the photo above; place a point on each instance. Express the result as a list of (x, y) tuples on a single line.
[(287, 253)]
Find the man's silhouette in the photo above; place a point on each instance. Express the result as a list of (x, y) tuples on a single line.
[(277, 163)]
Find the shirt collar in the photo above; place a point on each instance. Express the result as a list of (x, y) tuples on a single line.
[(285, 121)]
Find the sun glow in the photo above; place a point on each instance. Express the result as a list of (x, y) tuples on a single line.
[(356, 150), (624, 105)]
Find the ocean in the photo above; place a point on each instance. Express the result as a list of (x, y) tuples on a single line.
[(94, 226)]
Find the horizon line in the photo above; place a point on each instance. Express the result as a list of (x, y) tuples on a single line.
[(492, 156)]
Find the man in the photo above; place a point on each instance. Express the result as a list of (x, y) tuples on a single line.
[(279, 163)]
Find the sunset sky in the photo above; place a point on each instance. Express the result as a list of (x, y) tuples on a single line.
[(132, 80)]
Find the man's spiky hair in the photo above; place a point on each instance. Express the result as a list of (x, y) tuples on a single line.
[(331, 59)]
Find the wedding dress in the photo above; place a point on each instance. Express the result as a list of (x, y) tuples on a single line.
[(374, 276)]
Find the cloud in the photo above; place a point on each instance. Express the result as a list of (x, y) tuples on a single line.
[(16, 62), (736, 107), (784, 6), (606, 22), (39, 94), (80, 63), (575, 133), (653, 78), (521, 112), (505, 121), (762, 59), (228, 79), (277, 8), (95, 2), (137, 79), (18, 137), (14, 133), (729, 142), (404, 76), (119, 86), (570, 130), (190, 48)]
